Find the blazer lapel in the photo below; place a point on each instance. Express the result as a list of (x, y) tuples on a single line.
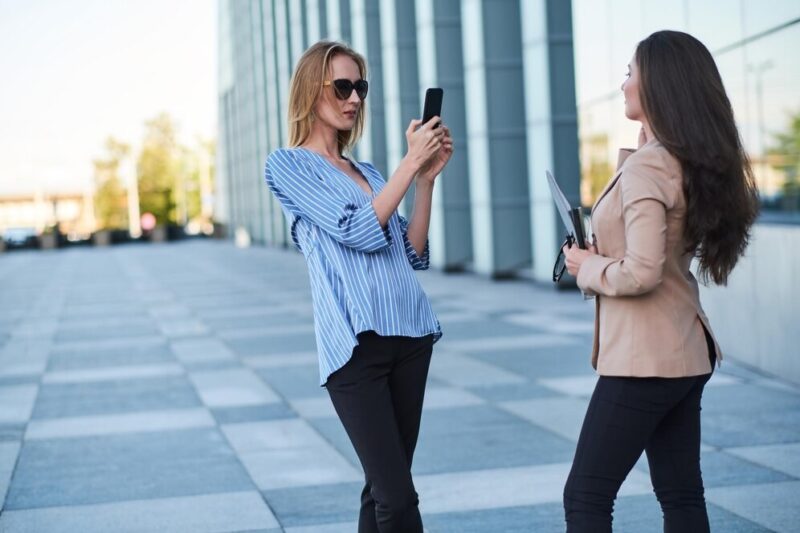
[(623, 154), (608, 188)]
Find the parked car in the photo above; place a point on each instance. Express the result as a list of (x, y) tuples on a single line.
[(20, 238)]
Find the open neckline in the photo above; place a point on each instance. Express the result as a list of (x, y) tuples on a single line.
[(353, 164)]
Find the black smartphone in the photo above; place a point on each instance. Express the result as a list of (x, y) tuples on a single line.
[(433, 104)]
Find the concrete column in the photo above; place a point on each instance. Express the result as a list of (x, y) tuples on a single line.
[(241, 90), (498, 178), (223, 196), (440, 60), (366, 26), (275, 17), (551, 122), (297, 31), (338, 18), (262, 140), (400, 75), (316, 20)]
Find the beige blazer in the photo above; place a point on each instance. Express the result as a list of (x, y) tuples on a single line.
[(648, 320)]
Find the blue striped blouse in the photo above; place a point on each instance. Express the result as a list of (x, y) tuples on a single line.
[(361, 274)]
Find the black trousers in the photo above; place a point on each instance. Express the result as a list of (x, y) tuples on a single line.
[(626, 416), (378, 396)]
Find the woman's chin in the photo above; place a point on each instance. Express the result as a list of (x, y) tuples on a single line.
[(636, 117)]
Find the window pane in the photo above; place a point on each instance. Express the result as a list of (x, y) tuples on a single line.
[(760, 71)]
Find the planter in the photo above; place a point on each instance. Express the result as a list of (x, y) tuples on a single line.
[(159, 234), (241, 237), (101, 238), (220, 230), (790, 201), (48, 241), (119, 236), (175, 233)]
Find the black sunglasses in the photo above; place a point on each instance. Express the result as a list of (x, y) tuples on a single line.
[(561, 260), (344, 88)]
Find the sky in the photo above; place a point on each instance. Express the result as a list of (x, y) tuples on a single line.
[(73, 72)]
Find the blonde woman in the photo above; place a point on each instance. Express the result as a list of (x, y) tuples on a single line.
[(375, 327)]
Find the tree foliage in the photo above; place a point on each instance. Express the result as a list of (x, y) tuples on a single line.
[(157, 169), (597, 169), (785, 155), (172, 179), (110, 199)]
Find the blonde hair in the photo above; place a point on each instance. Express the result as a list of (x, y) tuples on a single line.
[(312, 70)]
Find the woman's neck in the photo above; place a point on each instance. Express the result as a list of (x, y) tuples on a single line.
[(324, 140), (648, 131)]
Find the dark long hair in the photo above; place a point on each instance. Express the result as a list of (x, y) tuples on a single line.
[(683, 97)]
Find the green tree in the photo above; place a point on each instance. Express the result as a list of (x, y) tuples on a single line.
[(597, 169), (110, 198), (785, 156), (199, 165), (195, 185), (208, 178), (158, 168)]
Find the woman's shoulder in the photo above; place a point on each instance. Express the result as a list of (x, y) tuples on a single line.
[(295, 159), (652, 171), (283, 155), (656, 157), (285, 163)]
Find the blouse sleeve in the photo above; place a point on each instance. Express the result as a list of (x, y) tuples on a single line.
[(418, 262)]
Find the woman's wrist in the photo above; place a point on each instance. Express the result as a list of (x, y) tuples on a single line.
[(409, 166), (424, 184)]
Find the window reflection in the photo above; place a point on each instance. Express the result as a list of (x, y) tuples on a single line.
[(752, 42)]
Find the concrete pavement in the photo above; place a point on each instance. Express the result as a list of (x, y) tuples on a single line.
[(175, 388)]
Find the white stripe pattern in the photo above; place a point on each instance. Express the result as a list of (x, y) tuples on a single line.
[(360, 279)]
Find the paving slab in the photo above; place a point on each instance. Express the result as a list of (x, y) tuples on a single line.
[(208, 513), (175, 388)]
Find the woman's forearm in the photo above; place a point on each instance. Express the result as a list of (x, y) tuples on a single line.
[(392, 194)]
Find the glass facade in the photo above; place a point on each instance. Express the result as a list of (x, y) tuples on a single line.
[(541, 95), (492, 212), (754, 43)]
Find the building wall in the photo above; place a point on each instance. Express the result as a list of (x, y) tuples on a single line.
[(483, 220), (530, 85), (755, 317)]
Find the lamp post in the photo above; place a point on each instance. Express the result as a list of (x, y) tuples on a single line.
[(759, 70), (128, 171)]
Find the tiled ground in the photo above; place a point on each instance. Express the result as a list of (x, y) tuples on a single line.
[(174, 388)]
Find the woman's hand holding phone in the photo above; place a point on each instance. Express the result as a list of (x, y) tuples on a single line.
[(424, 141), (436, 164)]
